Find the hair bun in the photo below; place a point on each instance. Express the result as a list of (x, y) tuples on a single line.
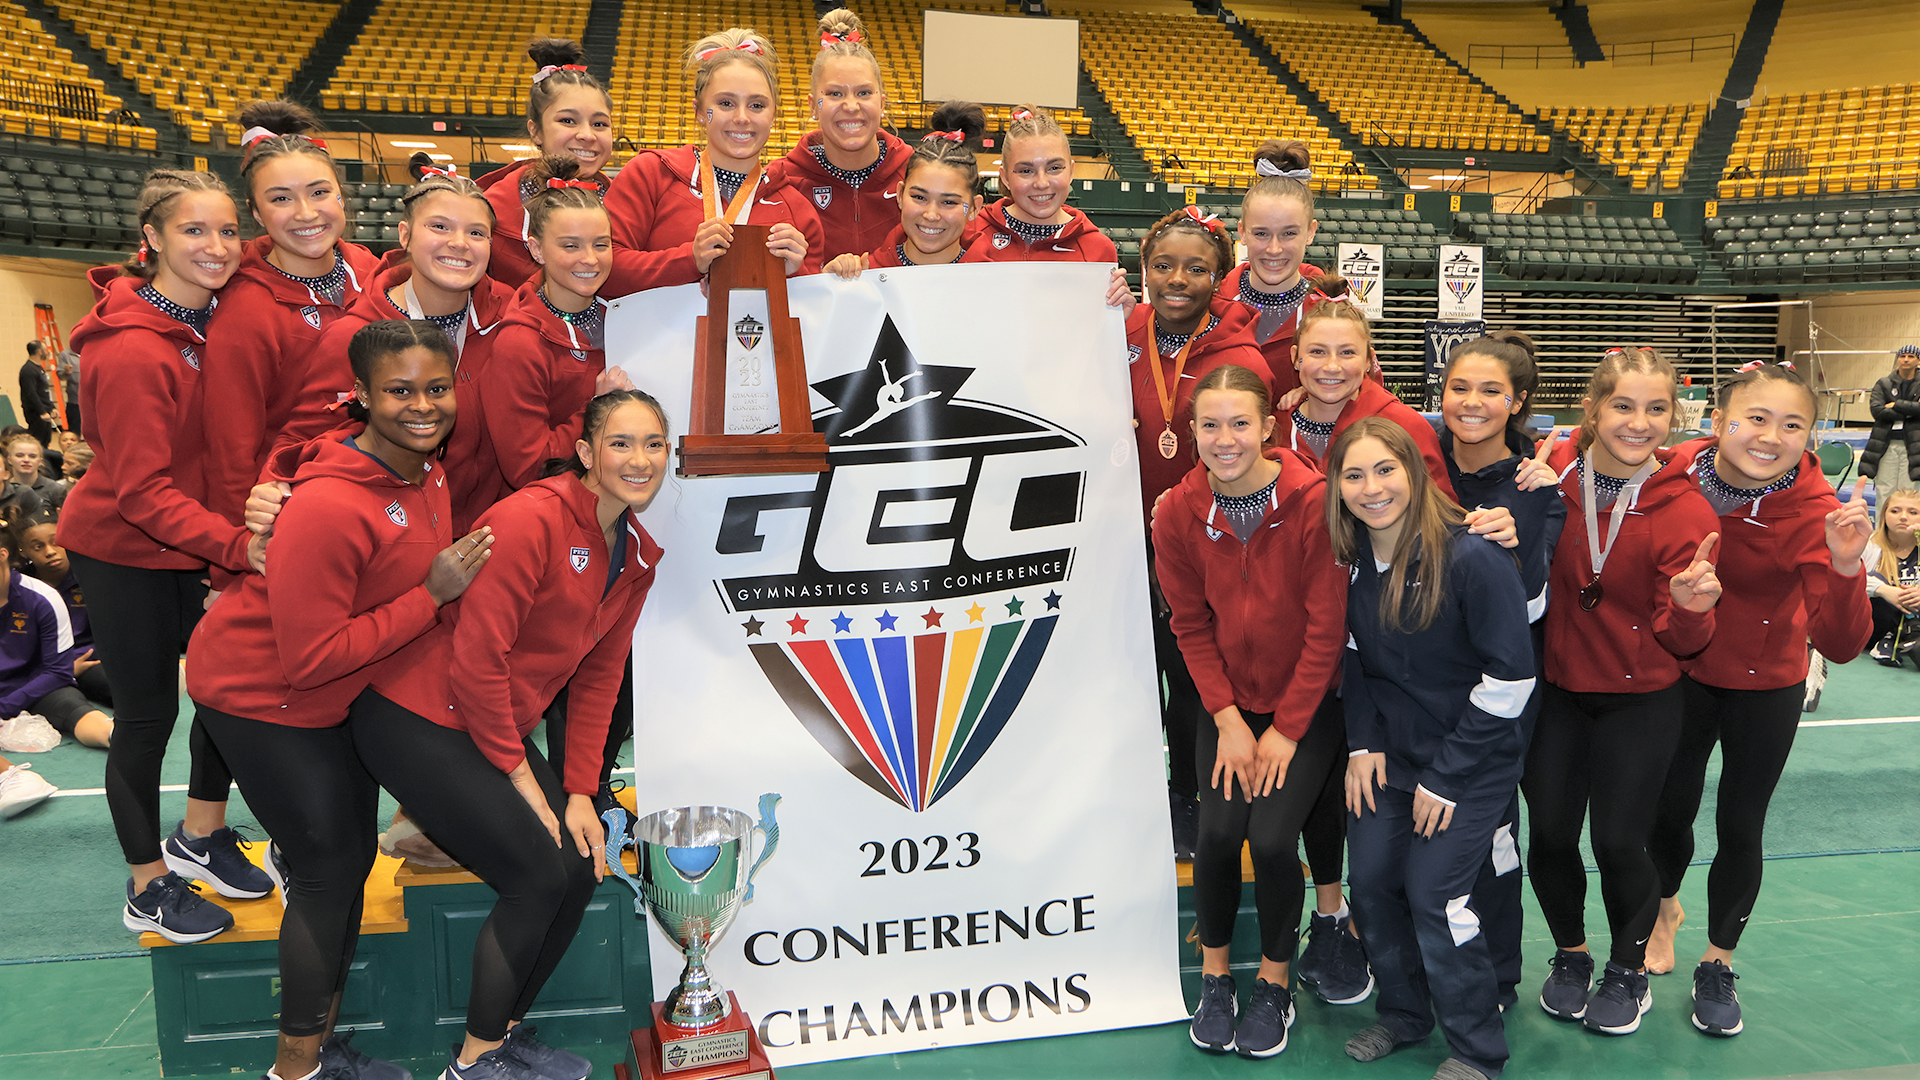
[(840, 22), (279, 116), (555, 52), (1332, 286), (1516, 339), (418, 164), (1287, 155), (962, 116)]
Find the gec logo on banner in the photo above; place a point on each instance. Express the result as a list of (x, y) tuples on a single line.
[(1462, 281), (1365, 268)]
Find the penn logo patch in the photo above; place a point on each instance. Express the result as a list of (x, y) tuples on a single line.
[(580, 557), (578, 354), (192, 358), (397, 513), (312, 316), (1001, 240), (823, 197), (1133, 353)]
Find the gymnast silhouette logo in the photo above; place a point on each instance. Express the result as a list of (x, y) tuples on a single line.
[(891, 398)]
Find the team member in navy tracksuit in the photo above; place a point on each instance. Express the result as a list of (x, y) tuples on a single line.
[(1438, 672), (445, 728), (1791, 559), (1487, 397), (1243, 561), (1634, 589)]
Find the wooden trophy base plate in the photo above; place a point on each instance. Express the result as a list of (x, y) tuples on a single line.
[(653, 1046), (752, 455)]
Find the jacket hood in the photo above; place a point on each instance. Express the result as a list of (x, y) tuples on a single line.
[(486, 306), (1077, 224), (333, 455), (1791, 503), (799, 166), (119, 307), (1296, 486), (1503, 469), (528, 309), (254, 267)]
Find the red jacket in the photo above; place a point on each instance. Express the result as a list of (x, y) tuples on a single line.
[(541, 376), (473, 473), (1079, 240), (143, 502), (539, 617), (269, 325), (1631, 641), (656, 207), (1374, 400), (1780, 584), (851, 219), (1230, 341), (344, 589), (1261, 624), (1278, 349)]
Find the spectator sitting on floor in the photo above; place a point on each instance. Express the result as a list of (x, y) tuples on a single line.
[(37, 656)]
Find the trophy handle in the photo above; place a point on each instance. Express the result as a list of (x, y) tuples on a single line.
[(617, 842), (770, 829)]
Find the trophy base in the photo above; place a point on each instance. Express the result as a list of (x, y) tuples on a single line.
[(752, 455), (730, 1050)]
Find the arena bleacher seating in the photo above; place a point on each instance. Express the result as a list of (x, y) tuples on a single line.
[(458, 57), (49, 95)]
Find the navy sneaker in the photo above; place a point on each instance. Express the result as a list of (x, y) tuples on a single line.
[(1619, 1002), (496, 1064), (1334, 963), (1568, 987), (1716, 1008), (175, 910), (1882, 652), (217, 861), (1262, 1031), (1212, 1027), (550, 1062), (277, 871), (341, 1060)]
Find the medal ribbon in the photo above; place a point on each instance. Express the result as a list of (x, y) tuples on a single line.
[(1167, 390), (742, 205), (1596, 553)]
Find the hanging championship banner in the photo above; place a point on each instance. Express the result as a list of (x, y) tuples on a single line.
[(938, 653), (1442, 338), (1462, 281), (1365, 268)]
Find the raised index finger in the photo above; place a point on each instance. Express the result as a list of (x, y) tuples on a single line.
[(1547, 444), (1705, 553)]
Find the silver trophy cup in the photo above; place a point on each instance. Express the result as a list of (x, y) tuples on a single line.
[(694, 877)]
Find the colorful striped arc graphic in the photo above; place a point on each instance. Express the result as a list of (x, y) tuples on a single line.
[(909, 715)]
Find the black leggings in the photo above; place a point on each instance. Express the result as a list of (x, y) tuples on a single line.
[(1270, 826), (474, 813), (617, 732), (310, 792), (1613, 751), (1755, 730), (1180, 710), (141, 622), (94, 683), (63, 706)]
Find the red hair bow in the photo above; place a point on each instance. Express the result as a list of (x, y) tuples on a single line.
[(1211, 221), (556, 182), (828, 38), (450, 172), (745, 47), (1022, 114), (1751, 365), (541, 75), (950, 136)]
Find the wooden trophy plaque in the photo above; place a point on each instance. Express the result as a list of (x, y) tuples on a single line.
[(749, 373), (729, 1051)]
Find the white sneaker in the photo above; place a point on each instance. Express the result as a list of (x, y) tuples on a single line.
[(21, 788)]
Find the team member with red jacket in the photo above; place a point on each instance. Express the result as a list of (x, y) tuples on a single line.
[(674, 210), (849, 167), (1034, 223), (1333, 352), (292, 282), (1790, 558), (568, 113), (1259, 607), (140, 536), (1633, 592), (439, 273), (446, 728), (361, 561)]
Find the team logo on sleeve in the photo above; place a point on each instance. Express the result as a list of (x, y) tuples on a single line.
[(580, 557), (1133, 353), (904, 630), (1001, 240), (397, 513), (823, 197), (748, 331), (192, 358), (311, 314), (578, 354)]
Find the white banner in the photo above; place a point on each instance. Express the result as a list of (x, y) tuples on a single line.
[(1462, 287), (938, 653), (1365, 268)]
